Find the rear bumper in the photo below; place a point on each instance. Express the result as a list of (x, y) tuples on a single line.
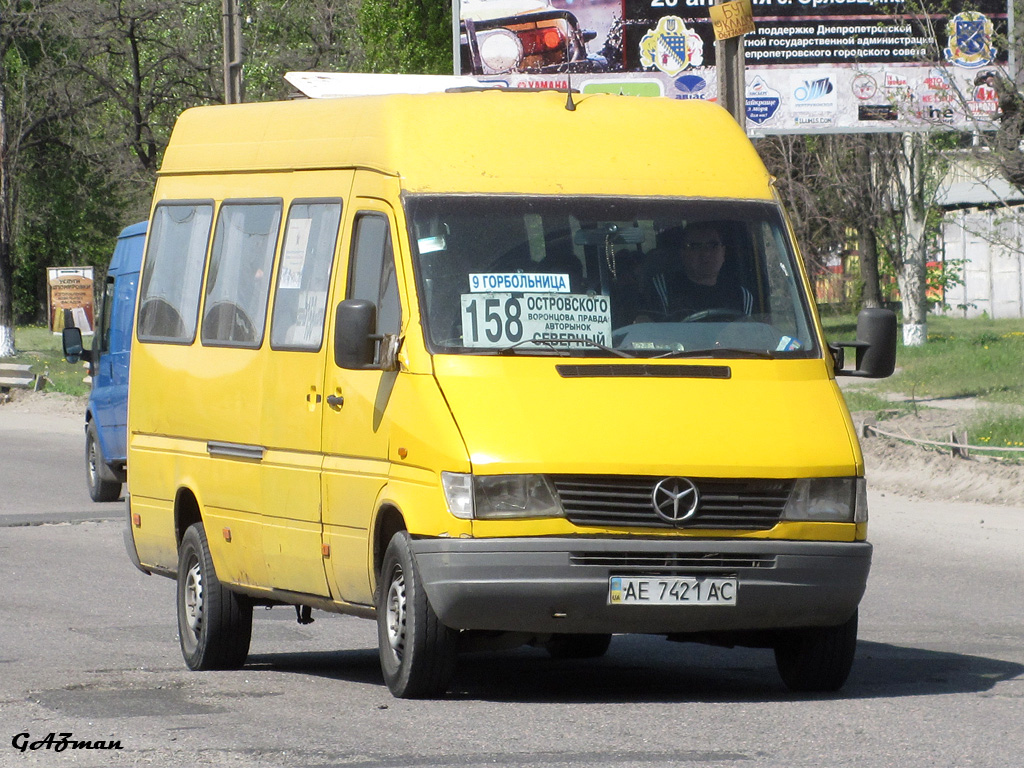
[(553, 585)]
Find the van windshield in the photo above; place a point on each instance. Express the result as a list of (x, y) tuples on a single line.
[(603, 276)]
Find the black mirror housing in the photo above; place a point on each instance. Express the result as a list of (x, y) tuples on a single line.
[(73, 346), (875, 345), (355, 321)]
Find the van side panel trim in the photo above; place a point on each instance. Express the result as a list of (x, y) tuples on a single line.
[(221, 450)]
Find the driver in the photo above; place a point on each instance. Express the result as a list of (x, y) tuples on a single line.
[(690, 283)]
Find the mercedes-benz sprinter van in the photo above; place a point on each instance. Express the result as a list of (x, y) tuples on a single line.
[(491, 364)]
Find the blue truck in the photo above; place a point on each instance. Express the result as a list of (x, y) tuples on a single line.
[(106, 415)]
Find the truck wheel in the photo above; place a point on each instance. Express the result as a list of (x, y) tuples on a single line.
[(578, 646), (817, 659), (417, 651), (214, 624), (102, 485)]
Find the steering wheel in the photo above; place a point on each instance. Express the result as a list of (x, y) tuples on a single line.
[(226, 321), (714, 315)]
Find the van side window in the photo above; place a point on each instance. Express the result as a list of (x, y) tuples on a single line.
[(103, 332), (237, 287), (304, 275), (372, 271), (173, 278)]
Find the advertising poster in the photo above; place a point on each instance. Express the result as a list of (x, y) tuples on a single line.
[(70, 293), (812, 66)]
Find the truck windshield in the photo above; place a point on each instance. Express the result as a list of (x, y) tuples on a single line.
[(604, 276)]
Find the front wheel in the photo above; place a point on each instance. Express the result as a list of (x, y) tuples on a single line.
[(214, 623), (417, 651), (817, 659), (103, 486)]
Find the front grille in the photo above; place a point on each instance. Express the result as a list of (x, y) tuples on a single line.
[(622, 500), (668, 562)]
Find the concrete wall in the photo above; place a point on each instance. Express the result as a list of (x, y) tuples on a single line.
[(992, 245)]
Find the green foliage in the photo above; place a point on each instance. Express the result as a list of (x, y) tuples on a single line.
[(998, 429), (407, 36), (69, 215), (317, 35), (966, 358), (881, 407)]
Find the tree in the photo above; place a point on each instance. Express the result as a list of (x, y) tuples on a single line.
[(316, 35), (407, 36), (831, 184), (29, 105), (911, 222)]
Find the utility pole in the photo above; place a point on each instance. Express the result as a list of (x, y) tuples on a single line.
[(732, 83), (731, 20), (456, 37), (231, 24)]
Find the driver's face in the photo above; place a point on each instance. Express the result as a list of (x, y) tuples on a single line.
[(703, 255)]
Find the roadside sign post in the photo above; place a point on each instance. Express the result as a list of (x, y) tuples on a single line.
[(731, 19)]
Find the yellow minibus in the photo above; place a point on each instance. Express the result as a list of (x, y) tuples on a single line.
[(492, 366)]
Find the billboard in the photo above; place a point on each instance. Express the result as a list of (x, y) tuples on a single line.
[(812, 66), (70, 294)]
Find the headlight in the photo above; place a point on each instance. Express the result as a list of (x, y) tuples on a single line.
[(828, 500), (500, 51), (493, 497)]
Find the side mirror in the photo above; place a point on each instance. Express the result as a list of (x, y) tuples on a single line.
[(354, 339), (74, 348), (875, 345)]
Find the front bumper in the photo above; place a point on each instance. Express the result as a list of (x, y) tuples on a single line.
[(560, 584)]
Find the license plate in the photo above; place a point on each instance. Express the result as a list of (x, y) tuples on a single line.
[(643, 590)]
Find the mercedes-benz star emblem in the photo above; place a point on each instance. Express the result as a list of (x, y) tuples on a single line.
[(675, 499)]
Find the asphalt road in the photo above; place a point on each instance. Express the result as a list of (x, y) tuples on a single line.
[(88, 647)]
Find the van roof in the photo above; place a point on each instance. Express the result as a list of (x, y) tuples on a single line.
[(486, 141), (139, 228), (127, 256)]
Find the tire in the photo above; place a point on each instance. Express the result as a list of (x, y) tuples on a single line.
[(417, 651), (817, 659), (102, 485), (214, 624), (578, 646)]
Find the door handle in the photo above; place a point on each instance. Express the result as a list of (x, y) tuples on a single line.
[(335, 401)]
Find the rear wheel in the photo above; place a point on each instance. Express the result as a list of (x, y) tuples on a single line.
[(578, 646), (214, 624), (417, 651), (103, 486), (817, 659)]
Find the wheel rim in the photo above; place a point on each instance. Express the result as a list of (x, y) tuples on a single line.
[(91, 463), (395, 618), (193, 600)]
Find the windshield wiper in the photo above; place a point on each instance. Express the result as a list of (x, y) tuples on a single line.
[(557, 346), (756, 354)]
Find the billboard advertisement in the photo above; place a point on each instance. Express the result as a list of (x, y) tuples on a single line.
[(812, 66), (70, 298)]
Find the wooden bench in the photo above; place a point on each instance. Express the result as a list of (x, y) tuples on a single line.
[(15, 376)]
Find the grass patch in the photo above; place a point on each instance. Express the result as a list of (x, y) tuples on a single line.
[(979, 357), (996, 429), (42, 350), (866, 400), (966, 358)]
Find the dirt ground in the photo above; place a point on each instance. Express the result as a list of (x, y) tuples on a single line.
[(892, 465), (934, 473)]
